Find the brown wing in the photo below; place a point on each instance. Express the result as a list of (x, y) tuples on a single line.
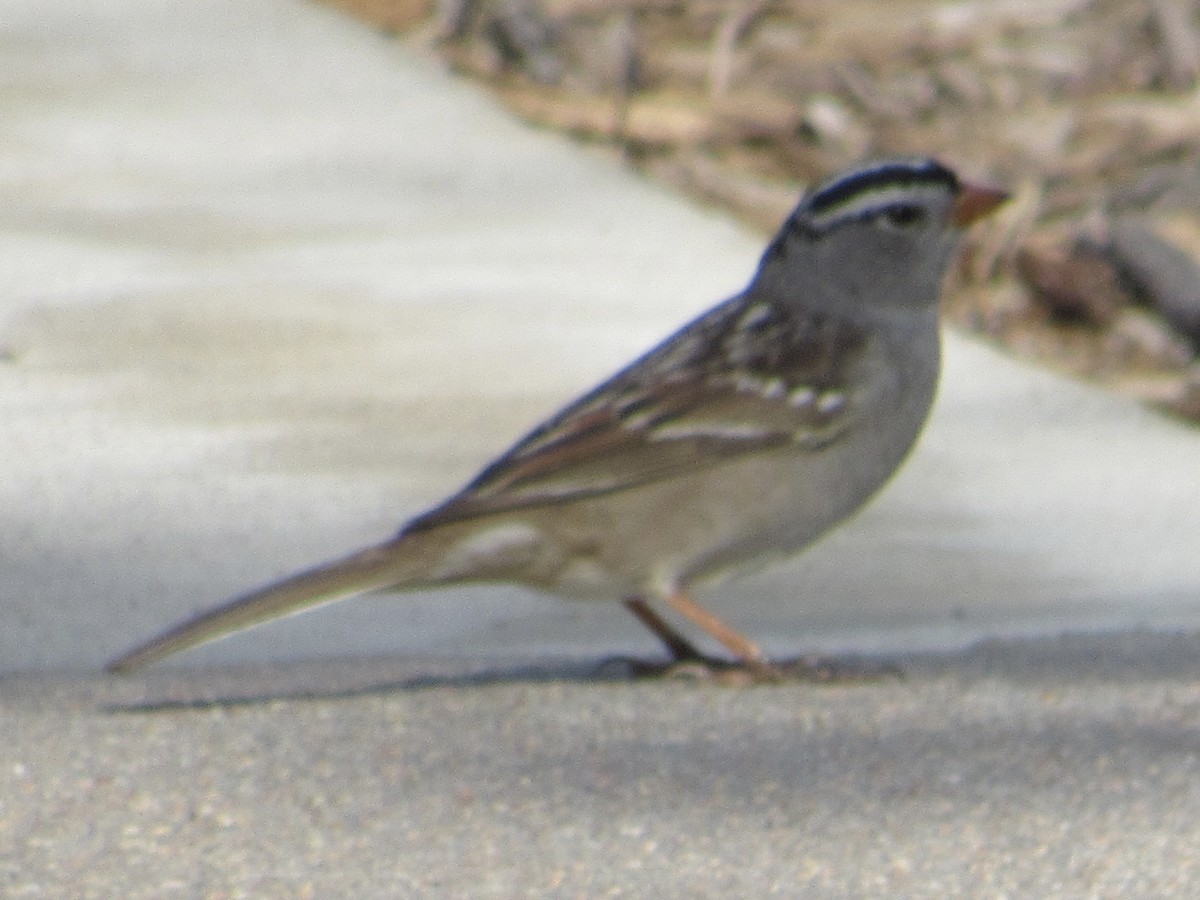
[(746, 377)]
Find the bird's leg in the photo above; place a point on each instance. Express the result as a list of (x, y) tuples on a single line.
[(680, 648), (747, 652)]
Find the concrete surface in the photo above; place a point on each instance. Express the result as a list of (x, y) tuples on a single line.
[(272, 284), (1059, 769)]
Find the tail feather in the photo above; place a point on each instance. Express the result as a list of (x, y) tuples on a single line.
[(367, 570)]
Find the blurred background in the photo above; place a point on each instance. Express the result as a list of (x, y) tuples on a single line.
[(1088, 109), (279, 275)]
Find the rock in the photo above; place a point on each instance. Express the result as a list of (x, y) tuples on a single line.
[(1073, 281), (1166, 277)]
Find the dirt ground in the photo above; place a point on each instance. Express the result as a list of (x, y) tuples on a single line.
[(1088, 111)]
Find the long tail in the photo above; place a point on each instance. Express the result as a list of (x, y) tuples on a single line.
[(376, 567)]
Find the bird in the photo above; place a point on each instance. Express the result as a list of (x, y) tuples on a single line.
[(739, 439)]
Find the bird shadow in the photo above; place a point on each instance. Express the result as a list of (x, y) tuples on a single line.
[(1062, 659), (320, 681)]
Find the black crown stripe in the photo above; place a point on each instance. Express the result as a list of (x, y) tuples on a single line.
[(894, 173)]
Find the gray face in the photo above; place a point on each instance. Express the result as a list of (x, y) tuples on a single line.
[(894, 257), (880, 243)]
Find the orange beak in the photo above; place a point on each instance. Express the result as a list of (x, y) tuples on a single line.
[(974, 202)]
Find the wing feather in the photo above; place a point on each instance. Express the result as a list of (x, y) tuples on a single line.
[(745, 378)]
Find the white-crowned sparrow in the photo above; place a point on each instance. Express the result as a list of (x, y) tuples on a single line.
[(743, 436)]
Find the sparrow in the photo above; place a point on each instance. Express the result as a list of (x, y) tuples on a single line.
[(741, 438)]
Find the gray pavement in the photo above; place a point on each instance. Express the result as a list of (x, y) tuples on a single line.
[(1064, 768), (275, 283)]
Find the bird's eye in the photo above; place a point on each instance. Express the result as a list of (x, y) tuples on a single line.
[(903, 216)]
